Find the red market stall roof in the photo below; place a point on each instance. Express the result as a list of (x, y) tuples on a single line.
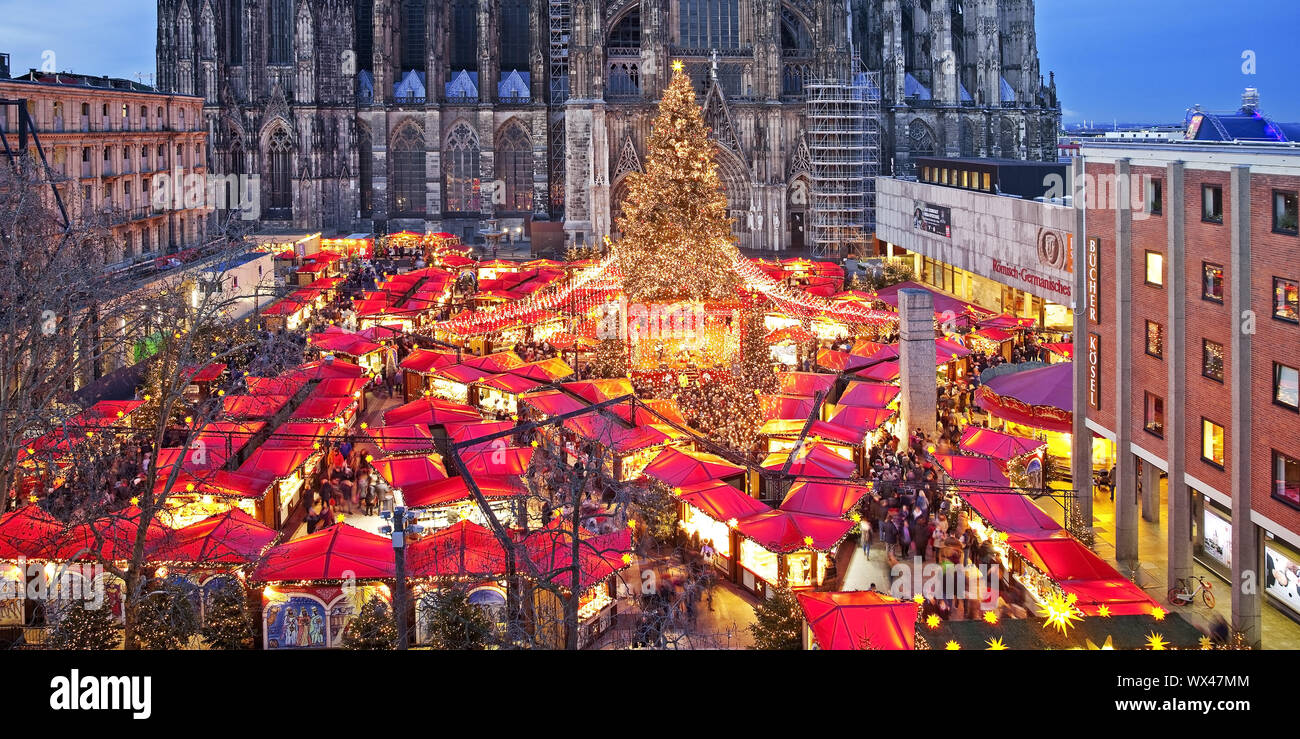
[(813, 460), (402, 439), (341, 387), (286, 386), (721, 501), (1041, 398), (996, 444), (104, 413), (882, 372), (438, 493), (343, 343), (679, 467), (275, 463), (806, 384), (340, 552), (993, 334), (219, 483), (464, 549), (862, 619), (599, 556), (1007, 321), (820, 498), (298, 435), (783, 532), (1062, 349), (785, 406), (463, 432), (428, 361), (494, 363), (942, 302), (283, 307), (974, 470), (553, 403), (431, 412), (1012, 512), (462, 373), (869, 395), (230, 538), (206, 373), (253, 406), (510, 384), (112, 536), (322, 409), (545, 371), (861, 420), (596, 391), (837, 433), (510, 460), (28, 532), (841, 361), (796, 334), (384, 332), (411, 471), (611, 434), (1079, 570), (323, 369)]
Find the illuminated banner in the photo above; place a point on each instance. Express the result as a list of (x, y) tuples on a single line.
[(1094, 371), (931, 218), (1094, 280)]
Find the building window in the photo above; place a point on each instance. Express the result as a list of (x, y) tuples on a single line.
[(235, 33), (1154, 416), (460, 167), (1212, 443), (1284, 212), (1156, 197), (1212, 359), (1155, 272), (988, 182), (1286, 386), (1212, 203), (515, 168), (464, 44), (514, 35), (413, 35), (280, 156), (408, 172), (709, 24), (366, 170), (1212, 281), (1155, 340), (1286, 479), (1286, 300), (279, 26)]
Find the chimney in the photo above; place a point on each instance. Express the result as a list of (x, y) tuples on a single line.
[(1250, 100)]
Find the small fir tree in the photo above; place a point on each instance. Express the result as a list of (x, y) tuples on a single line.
[(227, 624), (168, 617), (779, 622), (373, 628), (454, 623), (86, 628)]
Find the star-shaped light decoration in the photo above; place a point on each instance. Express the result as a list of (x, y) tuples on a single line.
[(1060, 614), (808, 541), (918, 598), (1156, 642), (1106, 646), (1206, 642), (932, 621), (991, 617), (1103, 610), (627, 559), (996, 645), (952, 646), (678, 65), (1158, 613)]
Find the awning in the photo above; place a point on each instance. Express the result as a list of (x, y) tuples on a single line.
[(340, 552), (813, 460), (973, 470), (996, 444), (431, 412), (721, 502), (428, 361), (1041, 398), (494, 363), (597, 391), (230, 538), (410, 471), (322, 409), (545, 371), (862, 619), (28, 532), (869, 394), (599, 556), (402, 439), (452, 490), (679, 468), (861, 420), (252, 406), (1011, 512), (111, 537), (462, 550), (1062, 349), (785, 406), (783, 532), (552, 403), (506, 460), (806, 384), (820, 498), (841, 361)]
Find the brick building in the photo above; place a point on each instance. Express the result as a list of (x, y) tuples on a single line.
[(107, 139), (1192, 370)]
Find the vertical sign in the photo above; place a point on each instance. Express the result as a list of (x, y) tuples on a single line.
[(1094, 280), (1094, 371)]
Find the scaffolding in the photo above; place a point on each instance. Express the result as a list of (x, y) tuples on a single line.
[(844, 151), (561, 25)]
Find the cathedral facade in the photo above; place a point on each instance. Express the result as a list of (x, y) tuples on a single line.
[(360, 115)]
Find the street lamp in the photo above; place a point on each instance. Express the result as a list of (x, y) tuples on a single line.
[(403, 522)]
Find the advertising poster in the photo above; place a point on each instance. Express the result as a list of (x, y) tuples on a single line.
[(930, 218), (1282, 576), (1217, 532)]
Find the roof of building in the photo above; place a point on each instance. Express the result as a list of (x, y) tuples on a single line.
[(86, 81)]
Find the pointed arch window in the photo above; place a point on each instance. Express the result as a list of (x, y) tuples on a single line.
[(365, 30), (414, 35), (235, 32), (515, 167), (185, 33), (709, 24), (408, 194), (279, 29), (514, 35), (207, 33), (365, 170), (464, 35), (279, 153), (460, 169)]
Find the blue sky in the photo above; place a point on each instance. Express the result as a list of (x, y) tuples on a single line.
[(1135, 60)]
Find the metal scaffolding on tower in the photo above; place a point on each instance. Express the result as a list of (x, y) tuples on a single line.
[(844, 151), (561, 26)]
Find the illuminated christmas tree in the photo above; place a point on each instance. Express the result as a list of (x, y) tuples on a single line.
[(677, 243), (86, 628)]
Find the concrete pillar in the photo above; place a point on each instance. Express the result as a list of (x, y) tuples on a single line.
[(1081, 435), (1180, 495), (1150, 492), (919, 398), (1246, 581), (1126, 532)]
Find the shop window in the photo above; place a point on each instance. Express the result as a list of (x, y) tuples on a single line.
[(1286, 300), (1212, 359), (1212, 204), (1212, 443), (1286, 386), (1155, 271), (1286, 479), (1155, 340), (1212, 281), (1154, 415), (1155, 198), (988, 182), (1284, 212)]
